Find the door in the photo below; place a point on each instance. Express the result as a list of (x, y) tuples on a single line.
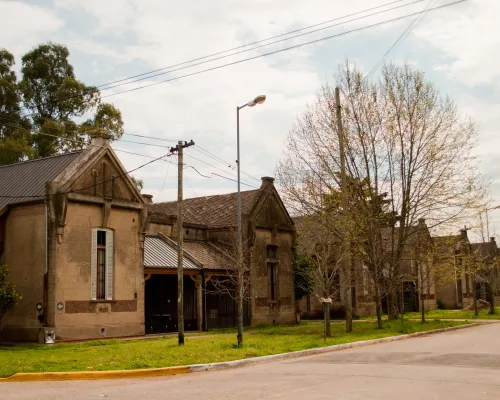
[(161, 304)]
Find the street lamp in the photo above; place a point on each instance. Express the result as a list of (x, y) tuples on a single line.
[(257, 100)]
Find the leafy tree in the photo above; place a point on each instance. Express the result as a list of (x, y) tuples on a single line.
[(9, 297), (55, 102), (14, 128), (139, 183), (302, 267)]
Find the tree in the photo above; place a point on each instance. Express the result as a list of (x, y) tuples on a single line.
[(53, 100), (409, 144), (139, 183), (322, 261), (9, 297), (14, 128), (236, 280)]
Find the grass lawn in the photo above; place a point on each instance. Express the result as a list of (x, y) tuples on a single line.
[(164, 352), (451, 314)]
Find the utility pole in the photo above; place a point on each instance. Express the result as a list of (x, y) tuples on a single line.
[(345, 206), (180, 273)]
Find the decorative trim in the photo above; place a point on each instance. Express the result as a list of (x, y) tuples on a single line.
[(91, 307)]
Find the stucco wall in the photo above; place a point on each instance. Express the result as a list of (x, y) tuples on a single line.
[(264, 311), (25, 256), (80, 317)]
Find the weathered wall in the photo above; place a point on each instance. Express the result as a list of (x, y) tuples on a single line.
[(154, 229), (81, 317), (24, 253), (263, 309)]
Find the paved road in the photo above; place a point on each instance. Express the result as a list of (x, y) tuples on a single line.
[(463, 364)]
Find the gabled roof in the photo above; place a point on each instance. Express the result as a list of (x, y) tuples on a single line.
[(161, 252), (25, 181), (213, 211)]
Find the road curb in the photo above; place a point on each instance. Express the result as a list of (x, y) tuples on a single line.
[(156, 372)]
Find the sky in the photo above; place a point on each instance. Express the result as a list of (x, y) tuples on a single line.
[(456, 47)]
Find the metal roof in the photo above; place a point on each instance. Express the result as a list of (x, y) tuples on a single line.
[(159, 253), (25, 181)]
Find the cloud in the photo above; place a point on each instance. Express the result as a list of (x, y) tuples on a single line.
[(22, 22), (466, 37)]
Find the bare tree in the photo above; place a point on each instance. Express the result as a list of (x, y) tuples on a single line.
[(320, 243), (236, 279), (409, 156)]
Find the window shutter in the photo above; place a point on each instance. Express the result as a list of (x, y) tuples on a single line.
[(93, 266), (109, 265), (269, 281), (276, 282)]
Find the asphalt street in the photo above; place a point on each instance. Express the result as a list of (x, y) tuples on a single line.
[(462, 364)]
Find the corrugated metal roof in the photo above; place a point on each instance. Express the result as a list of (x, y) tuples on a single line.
[(158, 253), (28, 178)]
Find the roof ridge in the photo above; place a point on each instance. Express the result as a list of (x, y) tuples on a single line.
[(42, 158), (205, 197)]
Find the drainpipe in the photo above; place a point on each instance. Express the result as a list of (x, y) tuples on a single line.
[(46, 271)]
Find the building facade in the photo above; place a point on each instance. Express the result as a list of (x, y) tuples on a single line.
[(92, 257)]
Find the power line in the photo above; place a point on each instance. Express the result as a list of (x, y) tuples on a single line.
[(258, 47), (248, 44), (210, 165), (285, 49), (224, 177), (94, 185), (126, 81), (398, 41)]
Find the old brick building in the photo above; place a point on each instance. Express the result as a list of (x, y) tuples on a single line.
[(415, 273), (209, 226), (91, 257)]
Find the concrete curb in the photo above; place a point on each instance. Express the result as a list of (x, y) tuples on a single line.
[(155, 372)]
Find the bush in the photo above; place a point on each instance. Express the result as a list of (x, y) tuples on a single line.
[(440, 305), (9, 297)]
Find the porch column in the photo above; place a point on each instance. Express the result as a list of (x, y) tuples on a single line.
[(199, 302)]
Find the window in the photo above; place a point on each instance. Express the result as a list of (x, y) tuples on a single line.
[(102, 265), (272, 252), (272, 271)]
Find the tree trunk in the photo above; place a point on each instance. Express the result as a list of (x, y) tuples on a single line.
[(474, 296), (378, 306), (326, 315), (392, 304), (239, 303), (493, 285), (422, 307)]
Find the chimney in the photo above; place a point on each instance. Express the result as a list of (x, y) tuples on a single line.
[(421, 221), (148, 198), (267, 180), (100, 140)]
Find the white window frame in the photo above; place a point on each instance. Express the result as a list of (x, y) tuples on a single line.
[(109, 265)]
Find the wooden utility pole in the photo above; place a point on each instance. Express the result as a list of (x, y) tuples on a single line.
[(345, 206), (180, 272)]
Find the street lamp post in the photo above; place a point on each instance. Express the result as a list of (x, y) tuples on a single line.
[(257, 100)]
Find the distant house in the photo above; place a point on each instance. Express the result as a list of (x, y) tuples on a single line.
[(92, 257), (459, 259), (416, 255)]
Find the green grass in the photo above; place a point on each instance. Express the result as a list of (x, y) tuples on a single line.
[(101, 355), (450, 314)]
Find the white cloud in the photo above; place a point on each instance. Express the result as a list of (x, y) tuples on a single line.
[(21, 23), (466, 36), (155, 33)]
